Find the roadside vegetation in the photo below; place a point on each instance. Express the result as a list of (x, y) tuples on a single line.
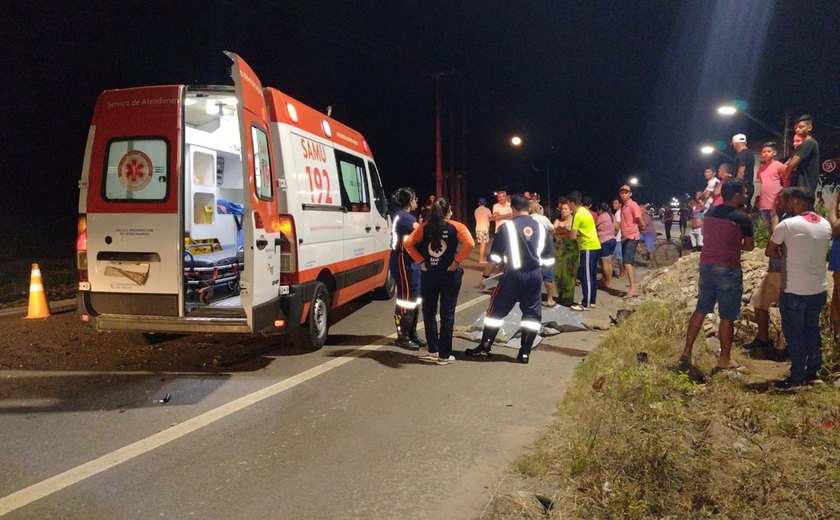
[(636, 438)]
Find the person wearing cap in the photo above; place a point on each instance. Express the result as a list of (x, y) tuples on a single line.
[(482, 228), (803, 168), (631, 225), (744, 164)]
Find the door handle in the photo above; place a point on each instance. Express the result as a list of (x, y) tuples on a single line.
[(368, 228), (261, 243)]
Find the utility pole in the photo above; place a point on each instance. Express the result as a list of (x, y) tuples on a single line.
[(438, 158), (462, 194)]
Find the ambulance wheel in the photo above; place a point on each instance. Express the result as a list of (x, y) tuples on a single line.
[(313, 334), (387, 291)]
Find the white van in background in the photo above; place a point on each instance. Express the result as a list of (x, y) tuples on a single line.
[(226, 209)]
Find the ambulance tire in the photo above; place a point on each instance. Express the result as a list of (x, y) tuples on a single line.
[(387, 291), (313, 334)]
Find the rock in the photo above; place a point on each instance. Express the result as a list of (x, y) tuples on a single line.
[(596, 324)]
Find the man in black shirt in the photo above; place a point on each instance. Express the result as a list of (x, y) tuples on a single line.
[(804, 165), (744, 165)]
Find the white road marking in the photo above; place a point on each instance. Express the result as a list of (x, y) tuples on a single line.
[(75, 475)]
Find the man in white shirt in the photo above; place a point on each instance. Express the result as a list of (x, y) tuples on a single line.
[(711, 185), (805, 238), (501, 209)]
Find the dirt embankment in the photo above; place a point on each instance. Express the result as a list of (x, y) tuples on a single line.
[(677, 285)]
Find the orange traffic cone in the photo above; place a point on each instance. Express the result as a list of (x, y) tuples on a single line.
[(38, 307)]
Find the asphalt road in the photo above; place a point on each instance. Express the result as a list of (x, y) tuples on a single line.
[(359, 429)]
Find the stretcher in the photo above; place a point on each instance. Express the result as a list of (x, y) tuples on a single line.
[(204, 272)]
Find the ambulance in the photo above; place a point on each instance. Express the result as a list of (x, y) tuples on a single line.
[(226, 209)]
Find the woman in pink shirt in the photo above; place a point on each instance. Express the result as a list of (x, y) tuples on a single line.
[(605, 224)]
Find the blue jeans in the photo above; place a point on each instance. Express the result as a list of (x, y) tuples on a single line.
[(722, 284), (801, 326)]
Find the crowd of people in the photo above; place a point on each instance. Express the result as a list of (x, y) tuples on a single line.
[(571, 246), (532, 251), (797, 249)]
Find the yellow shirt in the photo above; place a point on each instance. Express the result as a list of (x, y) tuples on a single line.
[(584, 223)]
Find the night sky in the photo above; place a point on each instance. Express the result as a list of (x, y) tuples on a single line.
[(599, 90)]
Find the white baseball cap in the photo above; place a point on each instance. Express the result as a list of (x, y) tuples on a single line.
[(739, 138)]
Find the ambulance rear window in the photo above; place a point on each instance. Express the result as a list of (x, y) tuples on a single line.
[(136, 170)]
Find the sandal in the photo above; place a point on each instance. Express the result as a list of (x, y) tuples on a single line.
[(737, 367)]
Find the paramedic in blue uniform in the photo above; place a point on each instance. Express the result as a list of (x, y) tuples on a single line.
[(405, 271), (525, 248), (434, 245)]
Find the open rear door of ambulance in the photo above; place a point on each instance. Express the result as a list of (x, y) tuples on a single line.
[(130, 198), (261, 278)]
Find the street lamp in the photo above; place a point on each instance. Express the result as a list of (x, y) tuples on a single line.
[(634, 184), (709, 150), (730, 110), (516, 141)]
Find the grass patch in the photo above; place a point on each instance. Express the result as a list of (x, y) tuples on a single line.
[(640, 440)]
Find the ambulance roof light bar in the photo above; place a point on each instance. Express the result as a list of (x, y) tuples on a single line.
[(292, 111)]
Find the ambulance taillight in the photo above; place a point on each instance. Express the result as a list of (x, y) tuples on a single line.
[(288, 250), (81, 249)]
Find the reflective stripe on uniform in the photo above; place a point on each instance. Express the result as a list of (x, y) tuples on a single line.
[(493, 323), (394, 240), (534, 326), (540, 241), (496, 258), (513, 245), (405, 304)]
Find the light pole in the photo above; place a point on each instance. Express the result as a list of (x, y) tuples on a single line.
[(730, 110)]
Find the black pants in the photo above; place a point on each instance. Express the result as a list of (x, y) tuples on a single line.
[(668, 229), (442, 286)]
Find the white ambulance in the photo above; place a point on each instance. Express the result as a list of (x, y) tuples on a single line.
[(226, 209)]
